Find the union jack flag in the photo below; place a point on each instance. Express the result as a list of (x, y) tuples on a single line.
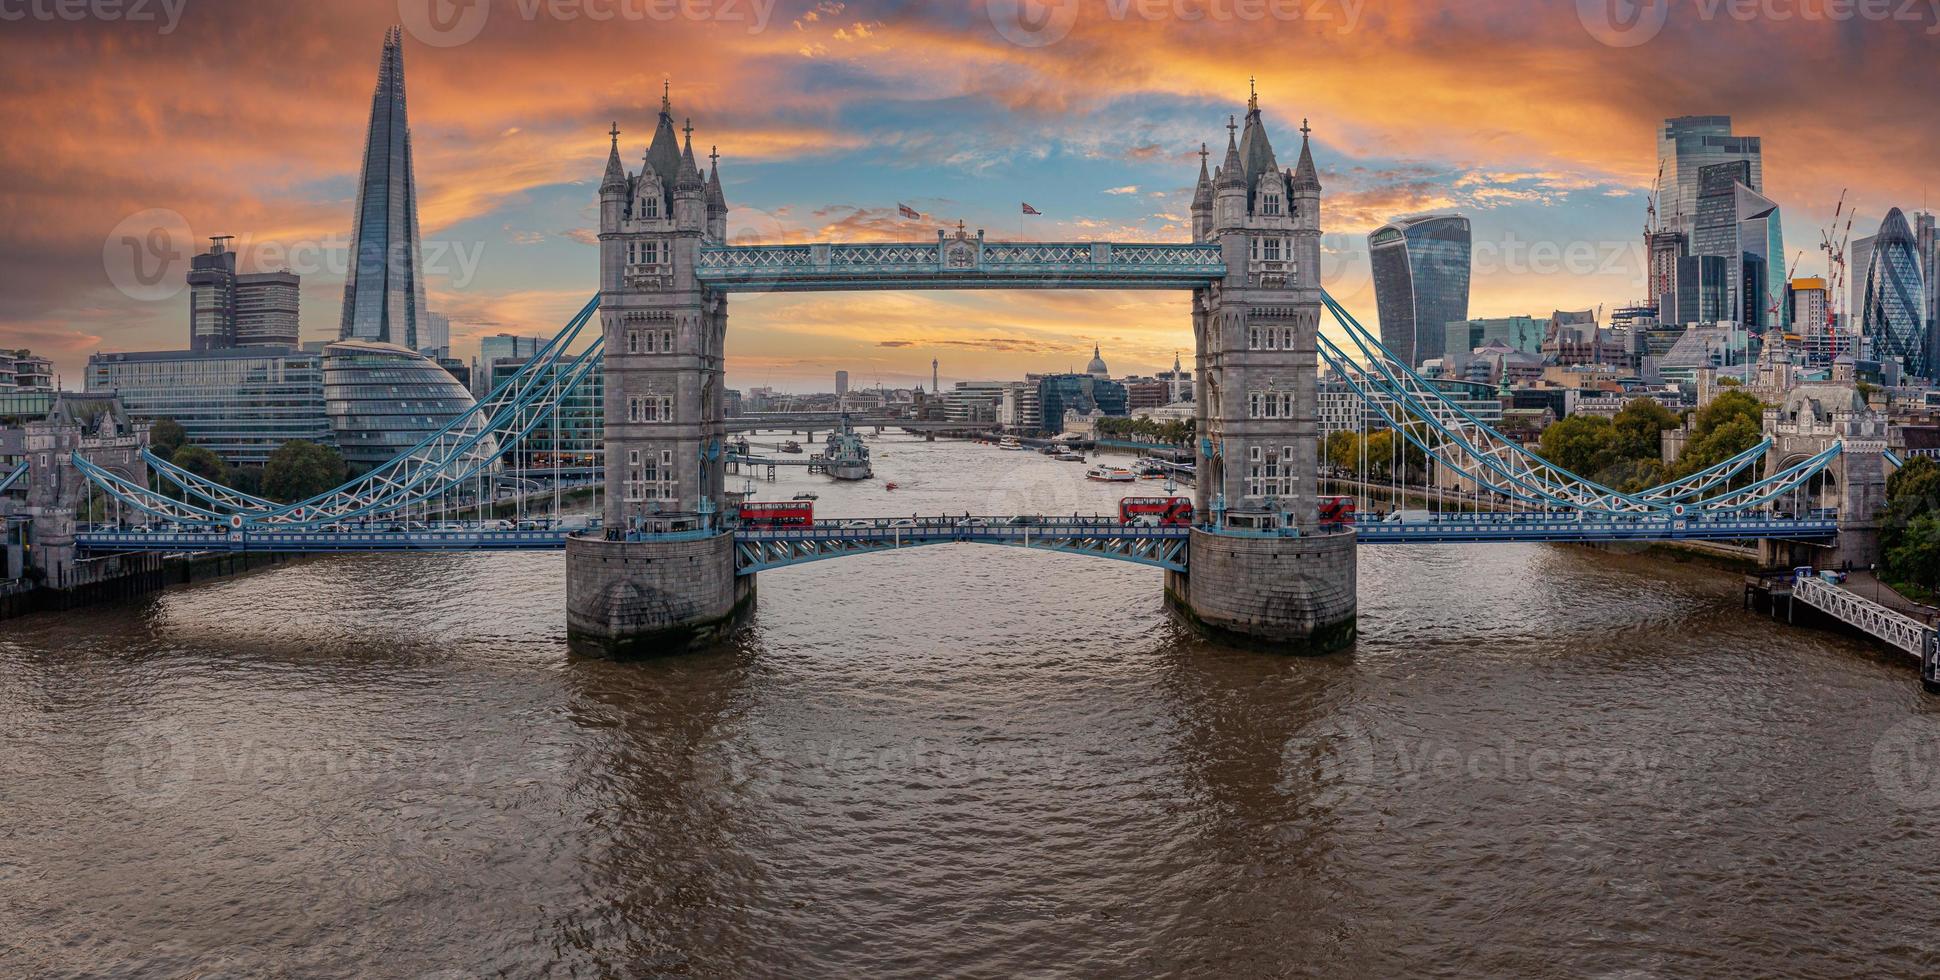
[(907, 211), (1031, 210)]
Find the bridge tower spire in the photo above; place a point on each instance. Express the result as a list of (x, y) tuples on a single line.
[(660, 576), (1262, 567)]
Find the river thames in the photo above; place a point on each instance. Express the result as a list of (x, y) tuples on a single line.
[(963, 760)]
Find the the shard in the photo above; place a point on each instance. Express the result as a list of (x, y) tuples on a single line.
[(384, 295)]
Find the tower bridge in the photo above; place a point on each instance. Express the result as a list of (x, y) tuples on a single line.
[(666, 565)]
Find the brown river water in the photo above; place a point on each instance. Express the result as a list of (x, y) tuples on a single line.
[(963, 760)]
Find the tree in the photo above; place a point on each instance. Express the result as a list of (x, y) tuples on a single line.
[(1911, 492), (1583, 444), (165, 436), (202, 463), (1731, 424), (300, 469), (1344, 450), (1915, 557), (1640, 427)]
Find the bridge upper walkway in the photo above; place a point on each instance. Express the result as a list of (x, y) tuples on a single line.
[(760, 548), (959, 263)]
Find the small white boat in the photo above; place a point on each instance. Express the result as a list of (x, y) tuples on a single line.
[(1010, 443), (1110, 474)]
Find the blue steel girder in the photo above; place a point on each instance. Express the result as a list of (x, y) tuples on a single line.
[(961, 263), (8, 480), (759, 550)]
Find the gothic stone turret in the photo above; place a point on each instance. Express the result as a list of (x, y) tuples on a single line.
[(1266, 571), (662, 574)]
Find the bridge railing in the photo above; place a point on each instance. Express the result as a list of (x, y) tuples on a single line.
[(1024, 264)]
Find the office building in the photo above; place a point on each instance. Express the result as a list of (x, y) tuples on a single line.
[(841, 383), (1514, 332), (1421, 280), (1859, 261), (228, 309), (575, 438), (1928, 242), (1020, 410), (1062, 395), (501, 347), (437, 336), (384, 293), (1893, 312), (240, 403), (973, 401), (212, 297), (1742, 227), (1685, 146), (382, 399)]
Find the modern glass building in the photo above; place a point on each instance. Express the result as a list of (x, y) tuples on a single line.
[(1893, 315), (1742, 227), (1421, 278), (382, 399), (239, 403), (384, 294), (1082, 394), (1685, 146), (577, 441)]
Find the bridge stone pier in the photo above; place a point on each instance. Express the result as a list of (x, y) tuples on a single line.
[(1809, 420), (661, 573)]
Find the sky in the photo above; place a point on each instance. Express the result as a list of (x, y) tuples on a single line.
[(137, 128)]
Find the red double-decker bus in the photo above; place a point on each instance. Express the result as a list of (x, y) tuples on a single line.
[(1335, 510), (778, 513), (1155, 511)]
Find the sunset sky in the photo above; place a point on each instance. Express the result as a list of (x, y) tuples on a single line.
[(1535, 119)]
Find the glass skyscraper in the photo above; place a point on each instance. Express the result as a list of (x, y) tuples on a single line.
[(1893, 317), (384, 294), (1742, 227), (1685, 146), (1421, 277)]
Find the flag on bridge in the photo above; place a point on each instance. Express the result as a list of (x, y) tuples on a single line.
[(907, 211), (1031, 210)]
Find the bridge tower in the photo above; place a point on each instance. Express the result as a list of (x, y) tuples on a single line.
[(1264, 570), (1808, 420), (661, 576)]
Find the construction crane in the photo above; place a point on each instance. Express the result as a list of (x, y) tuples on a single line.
[(1650, 209), (1833, 241)]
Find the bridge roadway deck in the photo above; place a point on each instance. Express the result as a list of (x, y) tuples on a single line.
[(897, 531)]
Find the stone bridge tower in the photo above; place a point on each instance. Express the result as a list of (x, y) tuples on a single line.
[(1808, 421), (665, 336), (1265, 571)]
